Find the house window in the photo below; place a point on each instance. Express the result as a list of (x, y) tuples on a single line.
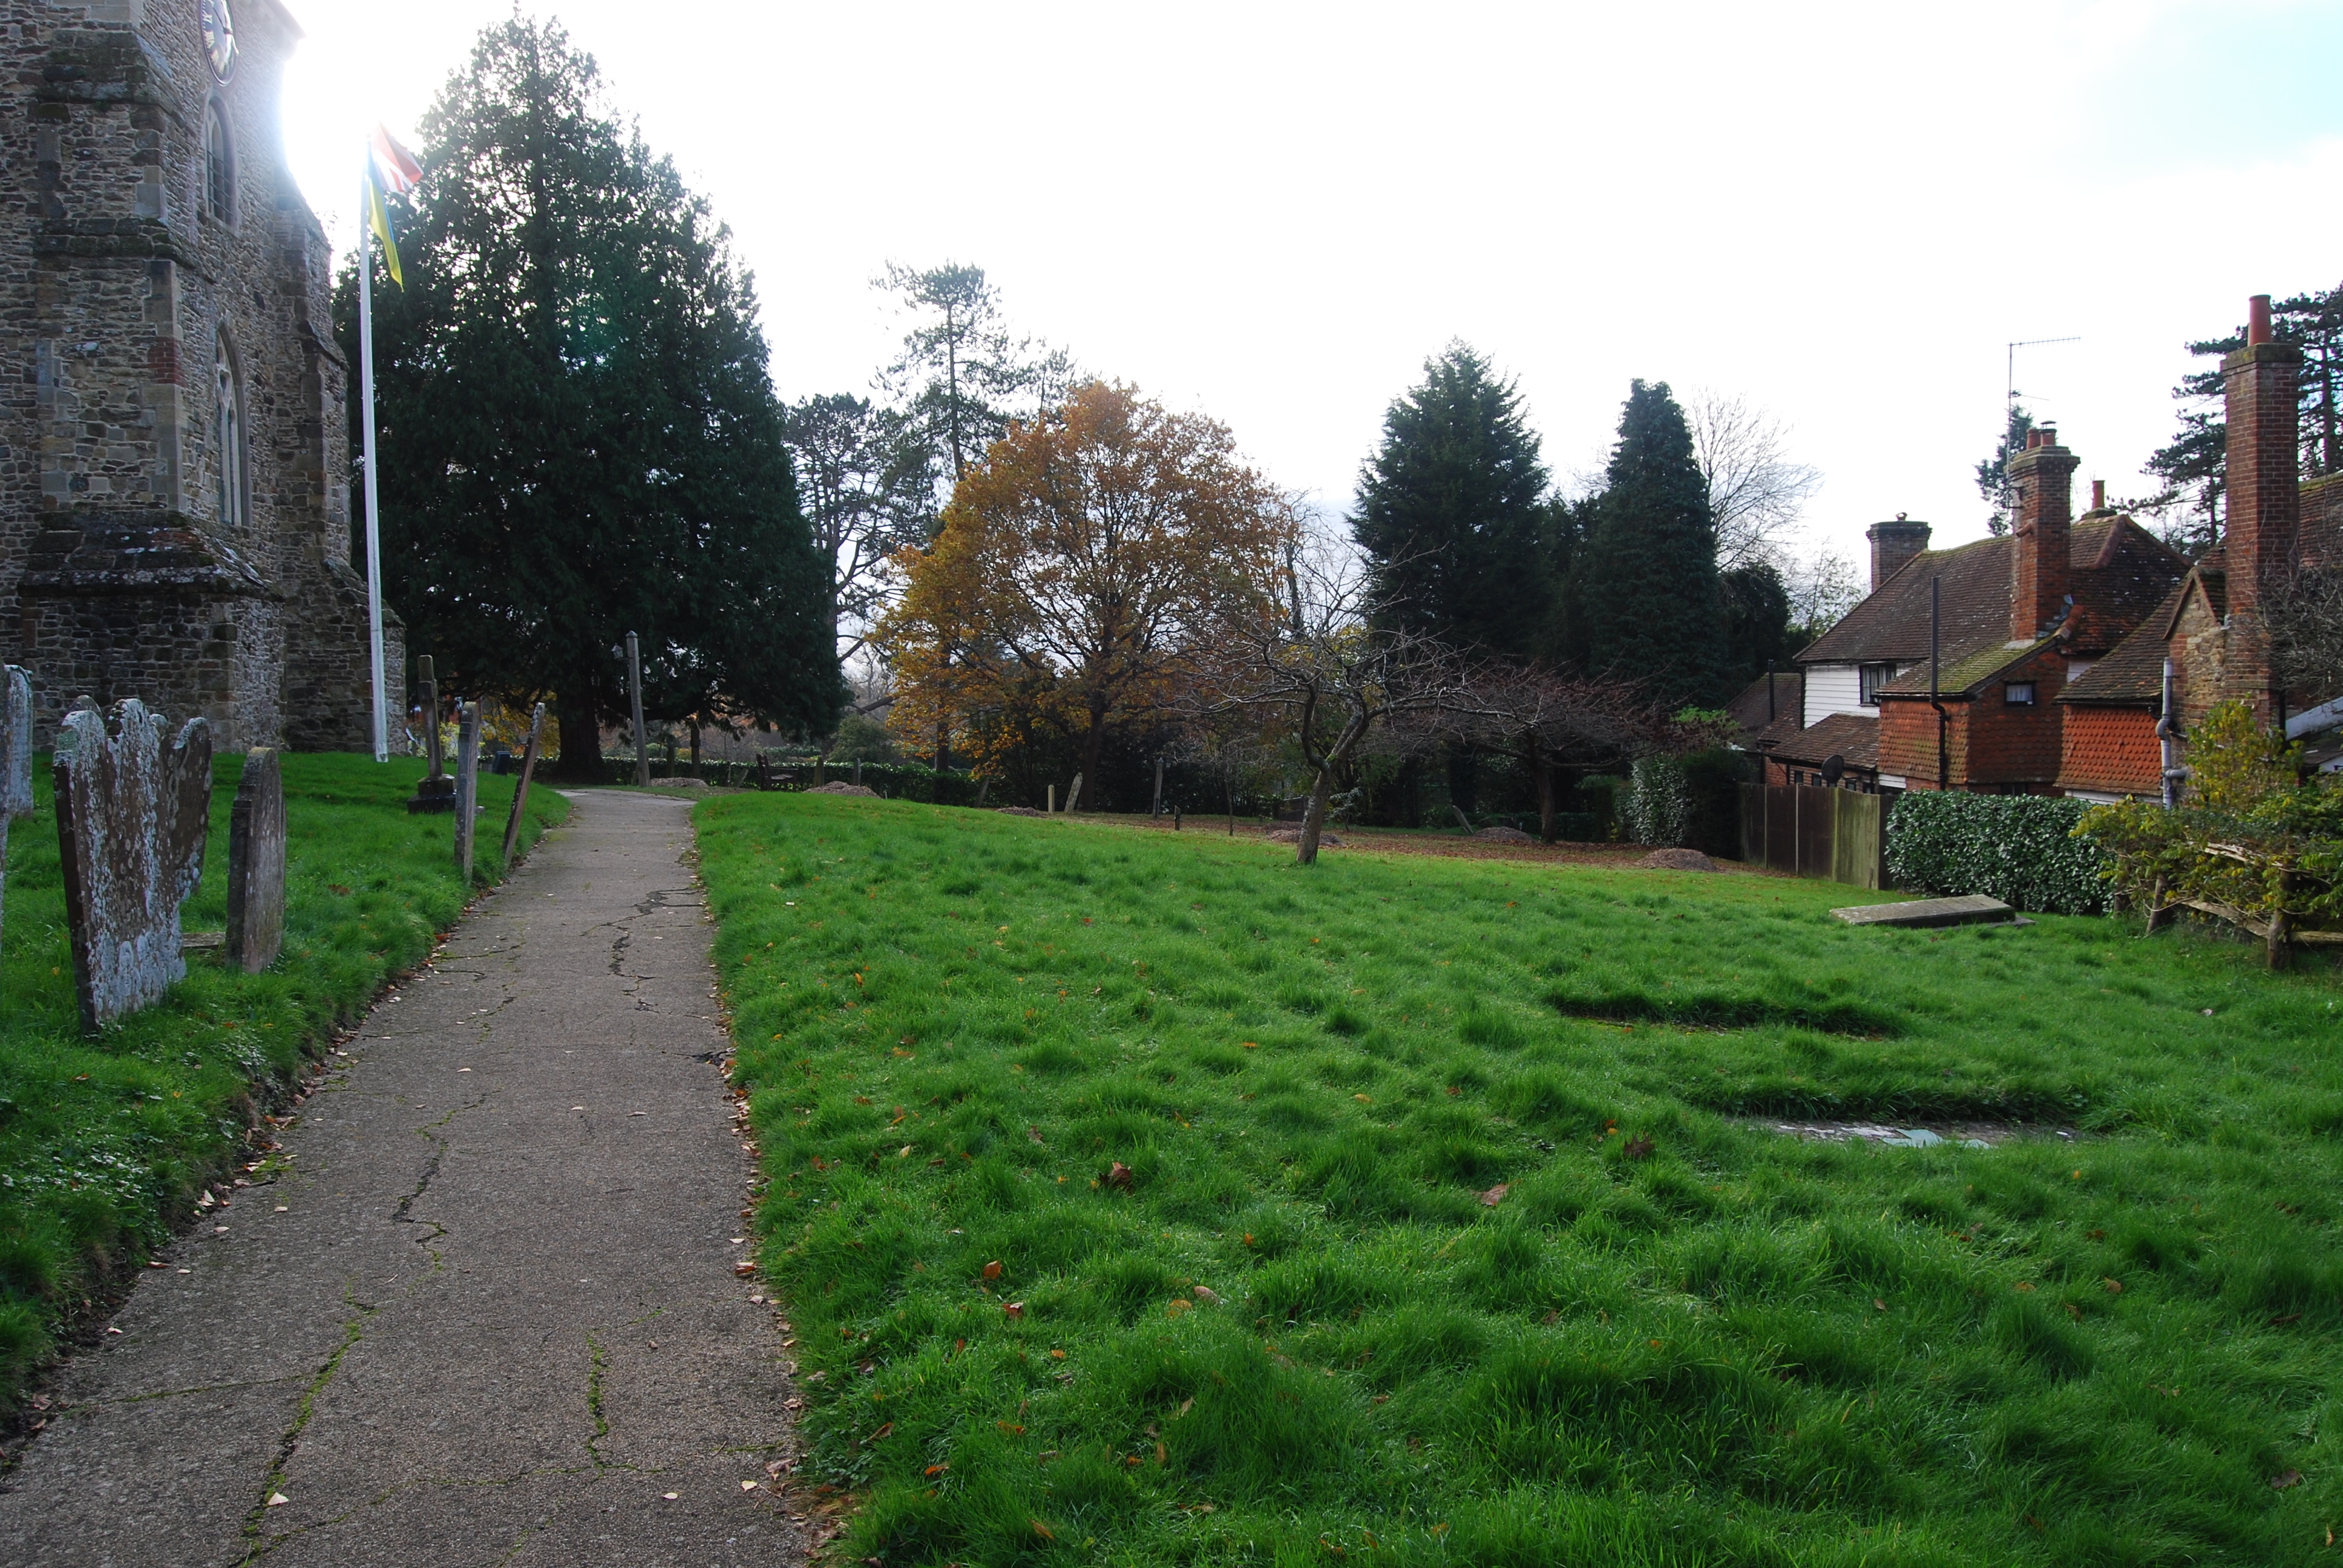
[(229, 442), (1869, 679), (2018, 694), (219, 167)]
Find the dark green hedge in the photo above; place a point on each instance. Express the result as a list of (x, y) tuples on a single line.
[(2019, 848)]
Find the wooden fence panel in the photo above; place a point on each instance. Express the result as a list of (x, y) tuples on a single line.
[(1855, 847), (1835, 835), (1816, 821)]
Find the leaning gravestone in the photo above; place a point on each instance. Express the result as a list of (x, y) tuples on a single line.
[(467, 785), (132, 814), (15, 757), (520, 790), (256, 864)]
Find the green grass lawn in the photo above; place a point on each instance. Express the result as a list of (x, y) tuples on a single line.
[(105, 1144), (1676, 1337)]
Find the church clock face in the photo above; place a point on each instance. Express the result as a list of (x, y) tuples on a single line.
[(220, 38)]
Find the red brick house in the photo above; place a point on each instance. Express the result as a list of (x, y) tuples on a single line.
[(2016, 620), (2208, 630)]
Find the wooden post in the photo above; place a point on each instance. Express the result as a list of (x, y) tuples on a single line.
[(520, 790), (2159, 911), (1157, 810), (1052, 809), (468, 784), (2281, 923), (635, 701)]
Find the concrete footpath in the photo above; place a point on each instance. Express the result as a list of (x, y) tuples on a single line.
[(487, 1313)]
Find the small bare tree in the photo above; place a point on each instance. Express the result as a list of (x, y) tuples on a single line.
[(2304, 619), (1553, 723), (1757, 492), (1332, 669)]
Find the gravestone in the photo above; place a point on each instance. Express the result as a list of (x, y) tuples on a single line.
[(1073, 793), (132, 813), (438, 791), (520, 790), (15, 757), (256, 864), (468, 784)]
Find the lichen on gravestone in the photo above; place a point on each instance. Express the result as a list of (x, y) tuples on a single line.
[(256, 863), (132, 813), (15, 757)]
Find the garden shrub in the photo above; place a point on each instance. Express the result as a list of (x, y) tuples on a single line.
[(1688, 801), (2020, 849)]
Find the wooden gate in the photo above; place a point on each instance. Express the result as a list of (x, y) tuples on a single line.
[(1835, 835)]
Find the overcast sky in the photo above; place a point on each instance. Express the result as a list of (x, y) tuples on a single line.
[(1273, 213)]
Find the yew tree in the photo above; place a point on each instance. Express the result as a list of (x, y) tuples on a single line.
[(1078, 575), (578, 435)]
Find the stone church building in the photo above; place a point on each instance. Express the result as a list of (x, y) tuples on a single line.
[(174, 486)]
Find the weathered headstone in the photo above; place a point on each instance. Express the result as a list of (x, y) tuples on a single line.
[(256, 864), (1073, 794), (438, 791), (635, 701), (468, 784), (15, 757), (520, 790), (132, 814)]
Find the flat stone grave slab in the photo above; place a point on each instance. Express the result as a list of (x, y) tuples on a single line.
[(1969, 909)]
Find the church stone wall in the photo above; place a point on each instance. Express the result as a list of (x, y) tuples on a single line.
[(122, 572)]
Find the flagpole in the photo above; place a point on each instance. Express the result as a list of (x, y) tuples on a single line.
[(373, 515)]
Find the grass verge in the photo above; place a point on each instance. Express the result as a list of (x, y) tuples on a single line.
[(106, 1142), (1444, 1239)]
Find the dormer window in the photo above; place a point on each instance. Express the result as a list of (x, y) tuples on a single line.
[(219, 167), (1869, 679)]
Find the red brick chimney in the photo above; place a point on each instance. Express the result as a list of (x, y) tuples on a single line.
[(2265, 476), (2040, 559), (1893, 543)]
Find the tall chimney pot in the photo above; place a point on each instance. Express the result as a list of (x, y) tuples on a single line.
[(2098, 494), (2041, 563), (1892, 545), (2258, 320)]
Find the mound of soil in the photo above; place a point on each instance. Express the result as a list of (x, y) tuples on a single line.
[(1019, 811), (1676, 860), (843, 789), (1293, 836), (1506, 836)]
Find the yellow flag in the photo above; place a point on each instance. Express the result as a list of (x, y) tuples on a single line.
[(378, 219)]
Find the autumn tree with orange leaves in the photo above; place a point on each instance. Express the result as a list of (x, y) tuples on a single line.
[(1079, 572)]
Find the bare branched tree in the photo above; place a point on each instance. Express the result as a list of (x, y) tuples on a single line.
[(863, 487), (1553, 724), (2305, 621), (1757, 492), (1823, 587), (1330, 666)]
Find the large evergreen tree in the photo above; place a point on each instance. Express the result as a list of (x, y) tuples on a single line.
[(1648, 586), (1450, 514), (578, 435)]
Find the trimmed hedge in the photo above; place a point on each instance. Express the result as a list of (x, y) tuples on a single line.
[(2019, 848)]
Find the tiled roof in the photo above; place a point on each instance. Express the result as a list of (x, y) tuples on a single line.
[(1849, 736), (2120, 570), (1962, 677), (2134, 671), (1755, 713)]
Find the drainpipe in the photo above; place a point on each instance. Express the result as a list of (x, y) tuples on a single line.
[(2168, 732), (1935, 667)]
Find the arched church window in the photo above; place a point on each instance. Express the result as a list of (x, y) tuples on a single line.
[(229, 443), (219, 166)]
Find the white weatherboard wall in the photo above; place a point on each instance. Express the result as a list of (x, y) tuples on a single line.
[(1834, 688)]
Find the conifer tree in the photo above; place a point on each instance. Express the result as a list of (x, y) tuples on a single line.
[(1648, 586), (1450, 512), (578, 435)]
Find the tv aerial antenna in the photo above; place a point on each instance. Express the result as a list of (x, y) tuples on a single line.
[(2009, 408)]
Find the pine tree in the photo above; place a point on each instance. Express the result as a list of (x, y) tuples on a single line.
[(578, 435), (1450, 514), (1648, 586)]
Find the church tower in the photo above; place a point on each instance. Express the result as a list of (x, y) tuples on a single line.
[(174, 498)]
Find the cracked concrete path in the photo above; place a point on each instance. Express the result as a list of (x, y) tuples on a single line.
[(487, 1313)]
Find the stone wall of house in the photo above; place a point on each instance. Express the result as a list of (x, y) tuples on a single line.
[(122, 571)]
